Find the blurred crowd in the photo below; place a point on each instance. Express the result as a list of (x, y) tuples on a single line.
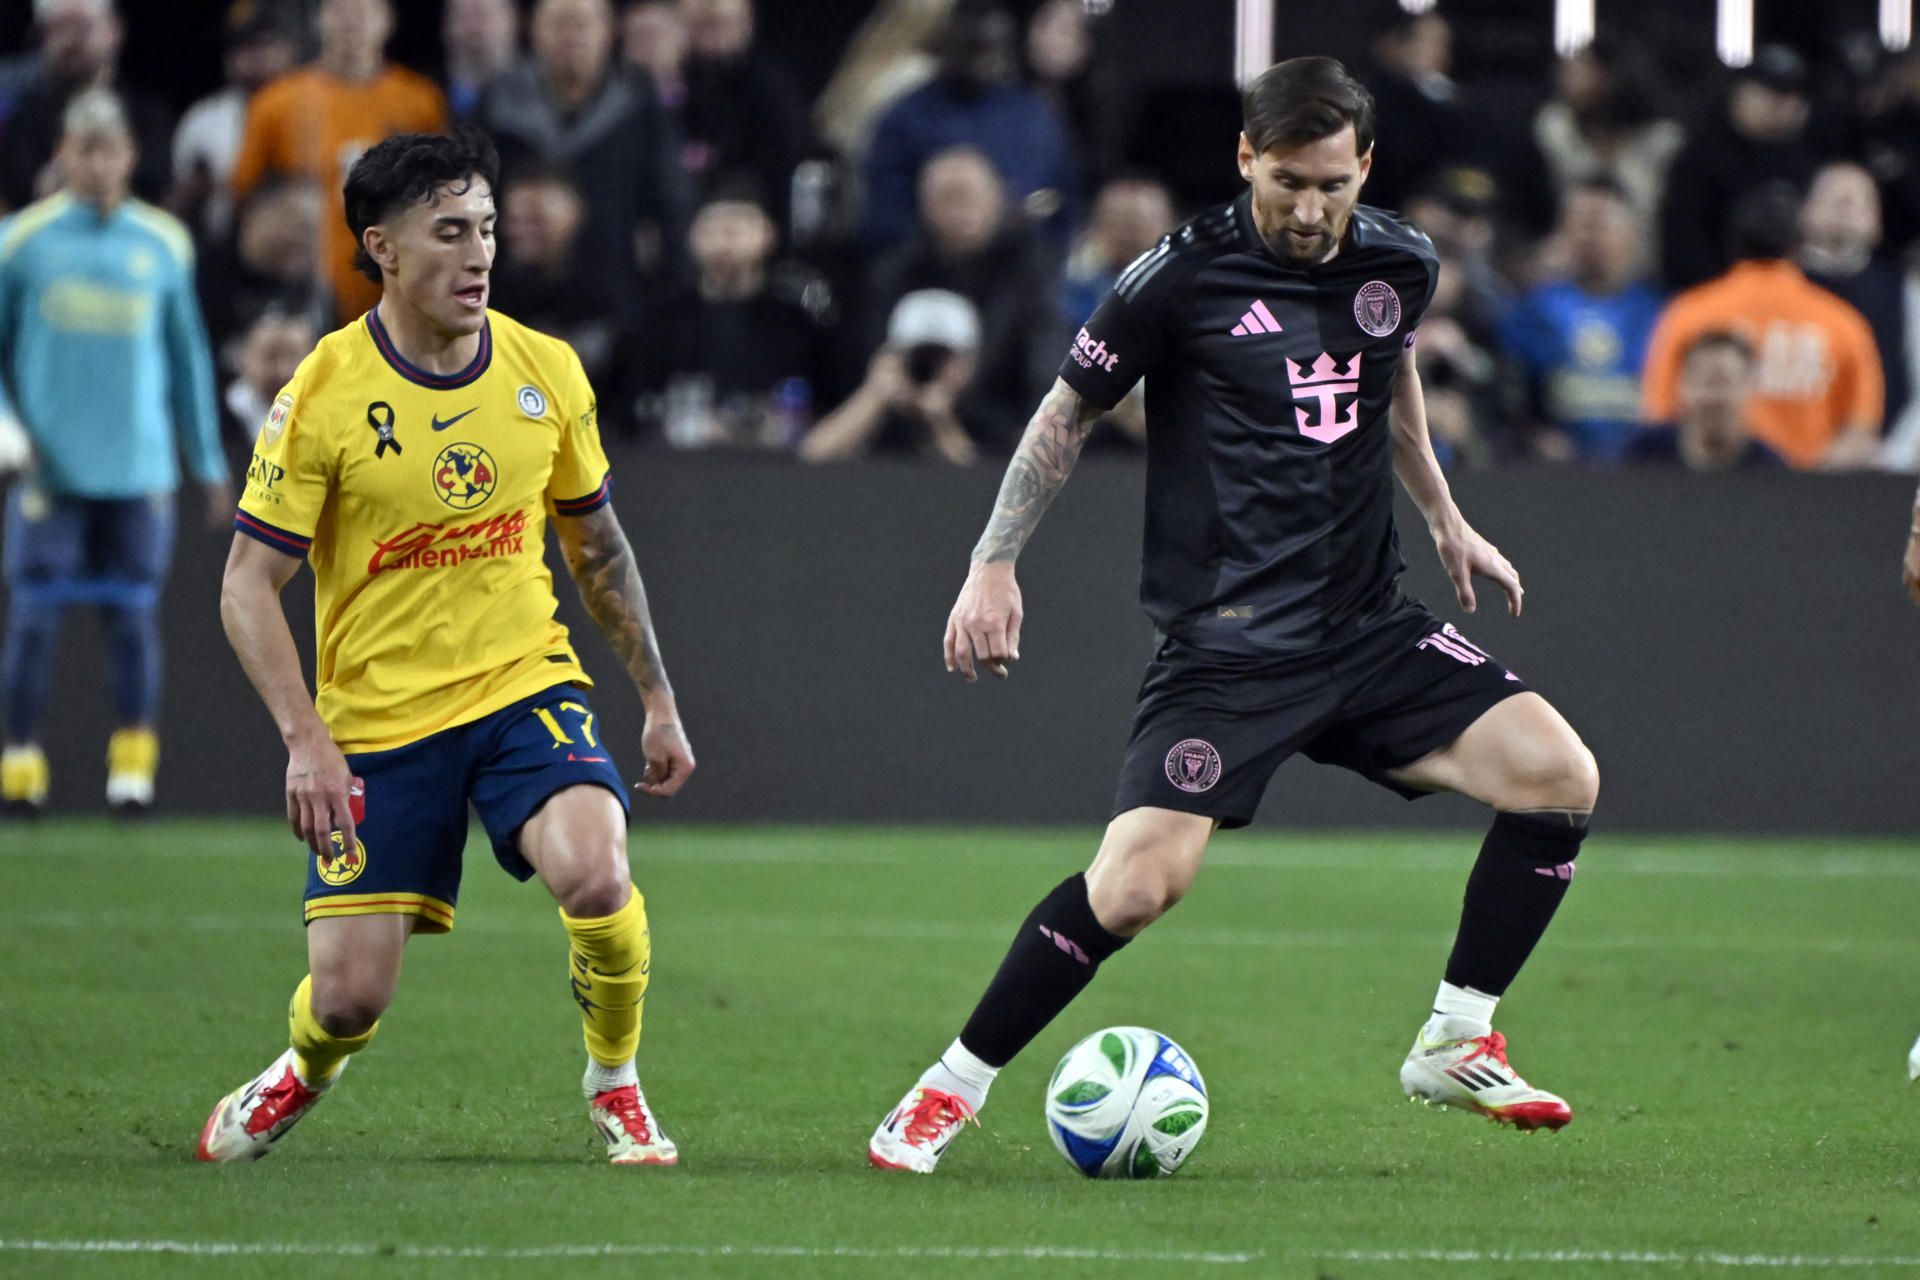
[(1715, 273)]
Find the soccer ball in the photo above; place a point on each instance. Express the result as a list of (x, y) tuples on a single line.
[(1126, 1103)]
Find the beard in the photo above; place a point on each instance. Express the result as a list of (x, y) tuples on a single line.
[(1314, 246)]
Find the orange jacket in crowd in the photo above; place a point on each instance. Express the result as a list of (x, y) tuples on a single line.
[(1818, 372), (311, 124)]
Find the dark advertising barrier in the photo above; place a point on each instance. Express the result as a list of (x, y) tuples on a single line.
[(1737, 650)]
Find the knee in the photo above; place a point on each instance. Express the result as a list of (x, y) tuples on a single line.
[(601, 886), (1560, 775), (32, 620), (345, 1008), (1134, 888)]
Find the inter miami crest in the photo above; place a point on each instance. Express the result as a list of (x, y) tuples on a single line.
[(1193, 765), (380, 418)]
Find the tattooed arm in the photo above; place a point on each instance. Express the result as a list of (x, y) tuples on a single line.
[(602, 563), (986, 619)]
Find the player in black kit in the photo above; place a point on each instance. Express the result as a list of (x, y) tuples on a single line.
[(1276, 337)]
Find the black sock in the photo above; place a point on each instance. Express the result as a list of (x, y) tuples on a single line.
[(1052, 959), (1524, 869)]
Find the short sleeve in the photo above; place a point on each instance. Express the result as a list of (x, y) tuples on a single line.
[(581, 476), (288, 477), (1114, 348)]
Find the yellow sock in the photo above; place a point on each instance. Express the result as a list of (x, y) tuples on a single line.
[(23, 775), (133, 751), (609, 960), (317, 1055)]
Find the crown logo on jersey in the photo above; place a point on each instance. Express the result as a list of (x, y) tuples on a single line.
[(1257, 320), (1321, 386)]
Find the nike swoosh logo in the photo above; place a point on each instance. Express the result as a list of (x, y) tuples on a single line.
[(441, 425)]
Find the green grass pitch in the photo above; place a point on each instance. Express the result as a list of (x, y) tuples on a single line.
[(1729, 1019)]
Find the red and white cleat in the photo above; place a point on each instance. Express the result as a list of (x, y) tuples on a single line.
[(624, 1121), (1474, 1075), (913, 1137), (247, 1122)]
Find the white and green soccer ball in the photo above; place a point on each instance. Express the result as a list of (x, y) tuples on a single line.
[(1126, 1103)]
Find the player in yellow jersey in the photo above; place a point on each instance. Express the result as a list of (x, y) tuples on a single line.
[(414, 462)]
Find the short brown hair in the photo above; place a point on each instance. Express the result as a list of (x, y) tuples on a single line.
[(1719, 340), (1303, 100)]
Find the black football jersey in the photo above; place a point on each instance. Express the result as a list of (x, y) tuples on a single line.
[(1269, 523)]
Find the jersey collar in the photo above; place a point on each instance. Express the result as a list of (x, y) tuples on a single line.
[(413, 373)]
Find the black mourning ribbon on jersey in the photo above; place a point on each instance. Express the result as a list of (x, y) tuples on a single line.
[(380, 418)]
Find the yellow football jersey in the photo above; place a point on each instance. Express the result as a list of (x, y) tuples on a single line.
[(421, 502)]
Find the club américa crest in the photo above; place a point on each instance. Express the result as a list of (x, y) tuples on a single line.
[(342, 865), (1376, 308), (1193, 765), (464, 476)]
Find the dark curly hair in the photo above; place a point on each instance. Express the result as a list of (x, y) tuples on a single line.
[(411, 168)]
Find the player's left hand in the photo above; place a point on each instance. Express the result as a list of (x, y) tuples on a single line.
[(1466, 555), (1910, 567), (669, 758)]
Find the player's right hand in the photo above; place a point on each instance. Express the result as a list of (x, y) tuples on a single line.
[(985, 622), (318, 782), (1910, 567)]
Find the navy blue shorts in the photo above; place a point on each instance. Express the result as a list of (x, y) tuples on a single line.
[(505, 764), (1211, 728), (109, 551)]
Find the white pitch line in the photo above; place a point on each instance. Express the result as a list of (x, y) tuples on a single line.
[(962, 1253), (28, 917), (981, 1253), (1606, 1257)]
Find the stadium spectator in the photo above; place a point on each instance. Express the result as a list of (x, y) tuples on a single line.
[(1064, 61), (481, 39), (570, 106), (1818, 397), (272, 260), (1884, 133), (80, 44), (1580, 340), (1412, 87), (1840, 239), (1455, 207), (312, 123), (887, 59), (1711, 430), (541, 280), (743, 355), (1604, 121), (744, 112), (975, 101), (104, 362), (1130, 215), (259, 48), (910, 399), (653, 39), (972, 244), (263, 361), (1458, 375), (1758, 139)]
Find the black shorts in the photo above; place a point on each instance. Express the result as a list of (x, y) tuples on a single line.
[(1211, 728)]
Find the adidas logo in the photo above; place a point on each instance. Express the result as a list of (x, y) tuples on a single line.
[(1478, 1078), (1257, 320)]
